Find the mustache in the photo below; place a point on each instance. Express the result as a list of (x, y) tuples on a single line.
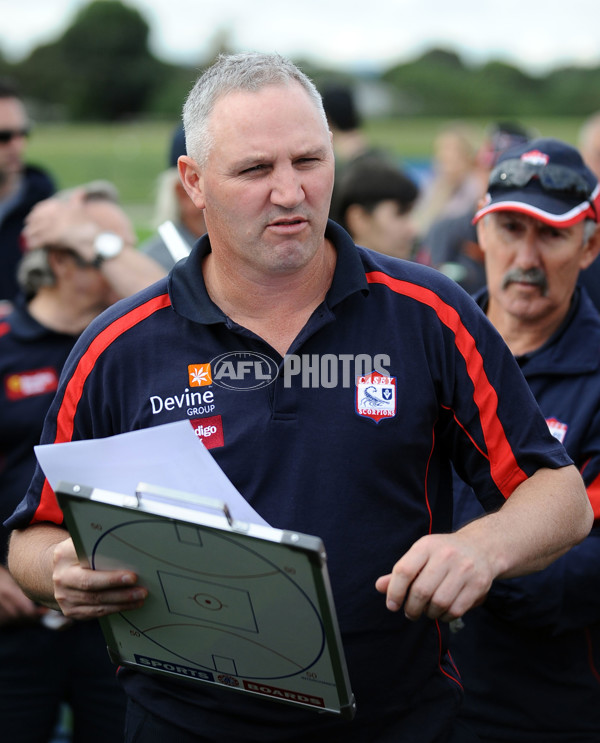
[(533, 276)]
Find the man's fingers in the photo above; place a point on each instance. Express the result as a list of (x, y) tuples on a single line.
[(86, 594), (83, 593), (90, 605), (50, 219), (439, 577), (397, 584)]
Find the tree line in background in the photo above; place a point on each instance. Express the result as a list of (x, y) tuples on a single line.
[(101, 69)]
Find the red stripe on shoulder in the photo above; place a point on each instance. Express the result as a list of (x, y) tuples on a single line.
[(504, 469), (48, 509), (74, 389)]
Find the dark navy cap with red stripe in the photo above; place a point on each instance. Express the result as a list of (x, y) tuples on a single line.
[(545, 179)]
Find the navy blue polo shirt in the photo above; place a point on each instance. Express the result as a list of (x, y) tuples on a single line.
[(31, 359), (351, 437)]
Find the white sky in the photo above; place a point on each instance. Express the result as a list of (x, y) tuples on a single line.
[(340, 33)]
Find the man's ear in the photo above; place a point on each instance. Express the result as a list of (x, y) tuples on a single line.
[(191, 178), (357, 220), (590, 250)]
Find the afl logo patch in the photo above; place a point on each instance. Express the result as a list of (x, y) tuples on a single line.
[(376, 396)]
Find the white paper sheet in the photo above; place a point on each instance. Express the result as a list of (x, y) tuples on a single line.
[(170, 456)]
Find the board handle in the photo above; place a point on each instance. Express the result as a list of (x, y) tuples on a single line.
[(145, 491)]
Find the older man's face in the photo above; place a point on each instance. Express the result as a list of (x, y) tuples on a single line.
[(14, 124), (531, 267)]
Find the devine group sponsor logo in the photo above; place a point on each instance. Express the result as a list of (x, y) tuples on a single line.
[(194, 403), (30, 383)]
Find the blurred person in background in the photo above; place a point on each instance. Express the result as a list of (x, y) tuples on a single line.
[(529, 656), (454, 185), (375, 202), (350, 143), (589, 146), (174, 205), (589, 143), (450, 244), (46, 661), (21, 186)]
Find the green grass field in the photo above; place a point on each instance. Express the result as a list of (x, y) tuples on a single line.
[(132, 155)]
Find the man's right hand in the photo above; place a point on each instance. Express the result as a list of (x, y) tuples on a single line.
[(83, 593)]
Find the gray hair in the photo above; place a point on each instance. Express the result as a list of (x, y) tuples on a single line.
[(589, 228), (34, 271), (248, 72)]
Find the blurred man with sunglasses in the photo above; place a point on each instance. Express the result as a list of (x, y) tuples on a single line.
[(21, 187), (530, 655)]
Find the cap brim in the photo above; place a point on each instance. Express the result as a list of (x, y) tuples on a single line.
[(542, 206)]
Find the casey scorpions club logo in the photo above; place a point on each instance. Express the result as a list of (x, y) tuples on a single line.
[(376, 396)]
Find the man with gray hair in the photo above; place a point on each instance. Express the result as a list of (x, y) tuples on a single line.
[(364, 463), (529, 655)]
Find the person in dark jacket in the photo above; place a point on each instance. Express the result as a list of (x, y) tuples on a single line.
[(21, 187), (529, 656)]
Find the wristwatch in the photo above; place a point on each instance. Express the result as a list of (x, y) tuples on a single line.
[(107, 245)]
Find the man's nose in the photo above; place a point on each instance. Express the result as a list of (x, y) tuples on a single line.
[(287, 190), (527, 250)]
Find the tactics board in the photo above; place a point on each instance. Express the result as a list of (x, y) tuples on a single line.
[(244, 606)]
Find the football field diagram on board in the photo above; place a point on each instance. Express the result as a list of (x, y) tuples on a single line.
[(215, 602)]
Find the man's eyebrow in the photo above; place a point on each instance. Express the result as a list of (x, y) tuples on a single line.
[(318, 151), (251, 160), (264, 159)]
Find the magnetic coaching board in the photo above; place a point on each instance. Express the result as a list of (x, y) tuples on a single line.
[(244, 606)]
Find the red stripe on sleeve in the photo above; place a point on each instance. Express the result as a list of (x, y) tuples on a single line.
[(48, 509), (504, 469)]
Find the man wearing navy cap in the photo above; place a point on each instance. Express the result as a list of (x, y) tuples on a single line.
[(530, 655)]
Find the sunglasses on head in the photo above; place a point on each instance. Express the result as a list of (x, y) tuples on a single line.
[(6, 135), (518, 173)]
